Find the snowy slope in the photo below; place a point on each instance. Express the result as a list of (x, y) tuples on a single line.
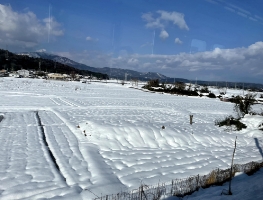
[(108, 137), (243, 187)]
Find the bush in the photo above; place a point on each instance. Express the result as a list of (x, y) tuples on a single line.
[(179, 86), (211, 95), (243, 105), (229, 121), (152, 83), (204, 89)]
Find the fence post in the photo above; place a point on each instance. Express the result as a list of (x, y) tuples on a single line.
[(191, 119), (197, 182), (172, 187), (229, 191), (140, 192)]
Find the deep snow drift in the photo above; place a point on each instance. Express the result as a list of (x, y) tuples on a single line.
[(107, 137)]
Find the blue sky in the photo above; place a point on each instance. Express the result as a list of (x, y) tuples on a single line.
[(208, 39)]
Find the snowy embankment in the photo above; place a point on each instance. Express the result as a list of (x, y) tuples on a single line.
[(243, 187), (107, 137)]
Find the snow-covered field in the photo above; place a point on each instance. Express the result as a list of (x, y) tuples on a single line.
[(107, 138)]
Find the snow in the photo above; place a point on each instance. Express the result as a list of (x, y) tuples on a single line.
[(108, 138), (243, 187)]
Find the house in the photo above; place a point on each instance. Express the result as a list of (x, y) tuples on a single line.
[(56, 76), (23, 73), (3, 72)]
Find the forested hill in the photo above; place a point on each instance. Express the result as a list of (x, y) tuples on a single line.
[(16, 62)]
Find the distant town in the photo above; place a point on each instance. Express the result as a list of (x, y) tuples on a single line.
[(24, 73)]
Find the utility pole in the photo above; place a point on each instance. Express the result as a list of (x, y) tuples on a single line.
[(6, 55), (39, 66), (55, 66)]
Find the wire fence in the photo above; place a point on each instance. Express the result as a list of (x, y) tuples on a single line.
[(182, 187)]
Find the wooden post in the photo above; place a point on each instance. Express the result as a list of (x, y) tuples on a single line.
[(172, 187), (229, 191), (191, 119)]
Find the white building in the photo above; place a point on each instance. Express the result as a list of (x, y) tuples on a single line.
[(23, 73), (57, 76)]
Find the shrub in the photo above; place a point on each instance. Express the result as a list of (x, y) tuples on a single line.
[(152, 83), (204, 89), (243, 105), (229, 121), (211, 95), (179, 85)]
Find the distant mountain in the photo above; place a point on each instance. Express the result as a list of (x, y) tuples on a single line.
[(32, 62), (59, 59), (111, 72)]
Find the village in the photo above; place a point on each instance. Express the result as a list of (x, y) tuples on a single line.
[(23, 73)]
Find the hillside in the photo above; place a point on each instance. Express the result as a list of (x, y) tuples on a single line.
[(16, 62), (116, 73)]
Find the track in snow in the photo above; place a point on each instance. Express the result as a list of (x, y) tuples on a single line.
[(45, 142)]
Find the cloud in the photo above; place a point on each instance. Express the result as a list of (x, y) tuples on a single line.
[(253, 19), (241, 14), (258, 17), (41, 50), (229, 9), (157, 24), (219, 64), (147, 17), (146, 44), (164, 34), (91, 39), (162, 19), (235, 63), (211, 1), (239, 9), (25, 29), (175, 17), (132, 61), (178, 41)]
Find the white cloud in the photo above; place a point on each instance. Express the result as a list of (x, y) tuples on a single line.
[(155, 24), (146, 44), (229, 9), (133, 61), (239, 9), (25, 29), (91, 39), (163, 19), (41, 50), (224, 63), (211, 1), (241, 14), (258, 17), (175, 17), (253, 19), (164, 34), (178, 41), (147, 17)]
